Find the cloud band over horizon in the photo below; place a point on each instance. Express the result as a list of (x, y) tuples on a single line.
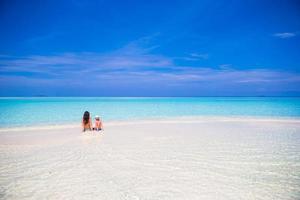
[(132, 69)]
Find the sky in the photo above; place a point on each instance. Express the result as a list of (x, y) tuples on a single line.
[(149, 48)]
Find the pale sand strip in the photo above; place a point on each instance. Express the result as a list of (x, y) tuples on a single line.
[(186, 158), (198, 119)]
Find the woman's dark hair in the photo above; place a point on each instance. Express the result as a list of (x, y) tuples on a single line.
[(86, 117)]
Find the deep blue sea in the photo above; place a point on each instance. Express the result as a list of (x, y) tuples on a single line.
[(52, 110)]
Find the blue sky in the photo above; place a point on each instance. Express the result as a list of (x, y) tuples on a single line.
[(149, 48)]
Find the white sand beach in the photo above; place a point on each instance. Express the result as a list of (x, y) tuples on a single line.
[(188, 158)]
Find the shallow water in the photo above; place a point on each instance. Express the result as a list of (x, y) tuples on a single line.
[(206, 160), (36, 111)]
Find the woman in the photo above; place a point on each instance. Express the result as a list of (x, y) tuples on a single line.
[(86, 122)]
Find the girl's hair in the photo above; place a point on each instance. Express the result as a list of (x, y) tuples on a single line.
[(86, 117)]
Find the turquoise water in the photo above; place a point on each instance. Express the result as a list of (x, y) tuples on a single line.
[(37, 111)]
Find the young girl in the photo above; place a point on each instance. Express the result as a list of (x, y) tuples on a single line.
[(86, 122), (98, 124)]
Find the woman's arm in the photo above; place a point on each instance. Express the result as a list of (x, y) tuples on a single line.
[(91, 123)]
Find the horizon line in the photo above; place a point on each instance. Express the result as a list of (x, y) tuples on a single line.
[(44, 96)]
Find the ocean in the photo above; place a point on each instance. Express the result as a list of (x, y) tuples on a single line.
[(63, 110)]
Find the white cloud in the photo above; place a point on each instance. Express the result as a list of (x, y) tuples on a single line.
[(193, 57), (133, 64), (121, 59), (143, 67), (284, 35), (197, 55), (226, 66)]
